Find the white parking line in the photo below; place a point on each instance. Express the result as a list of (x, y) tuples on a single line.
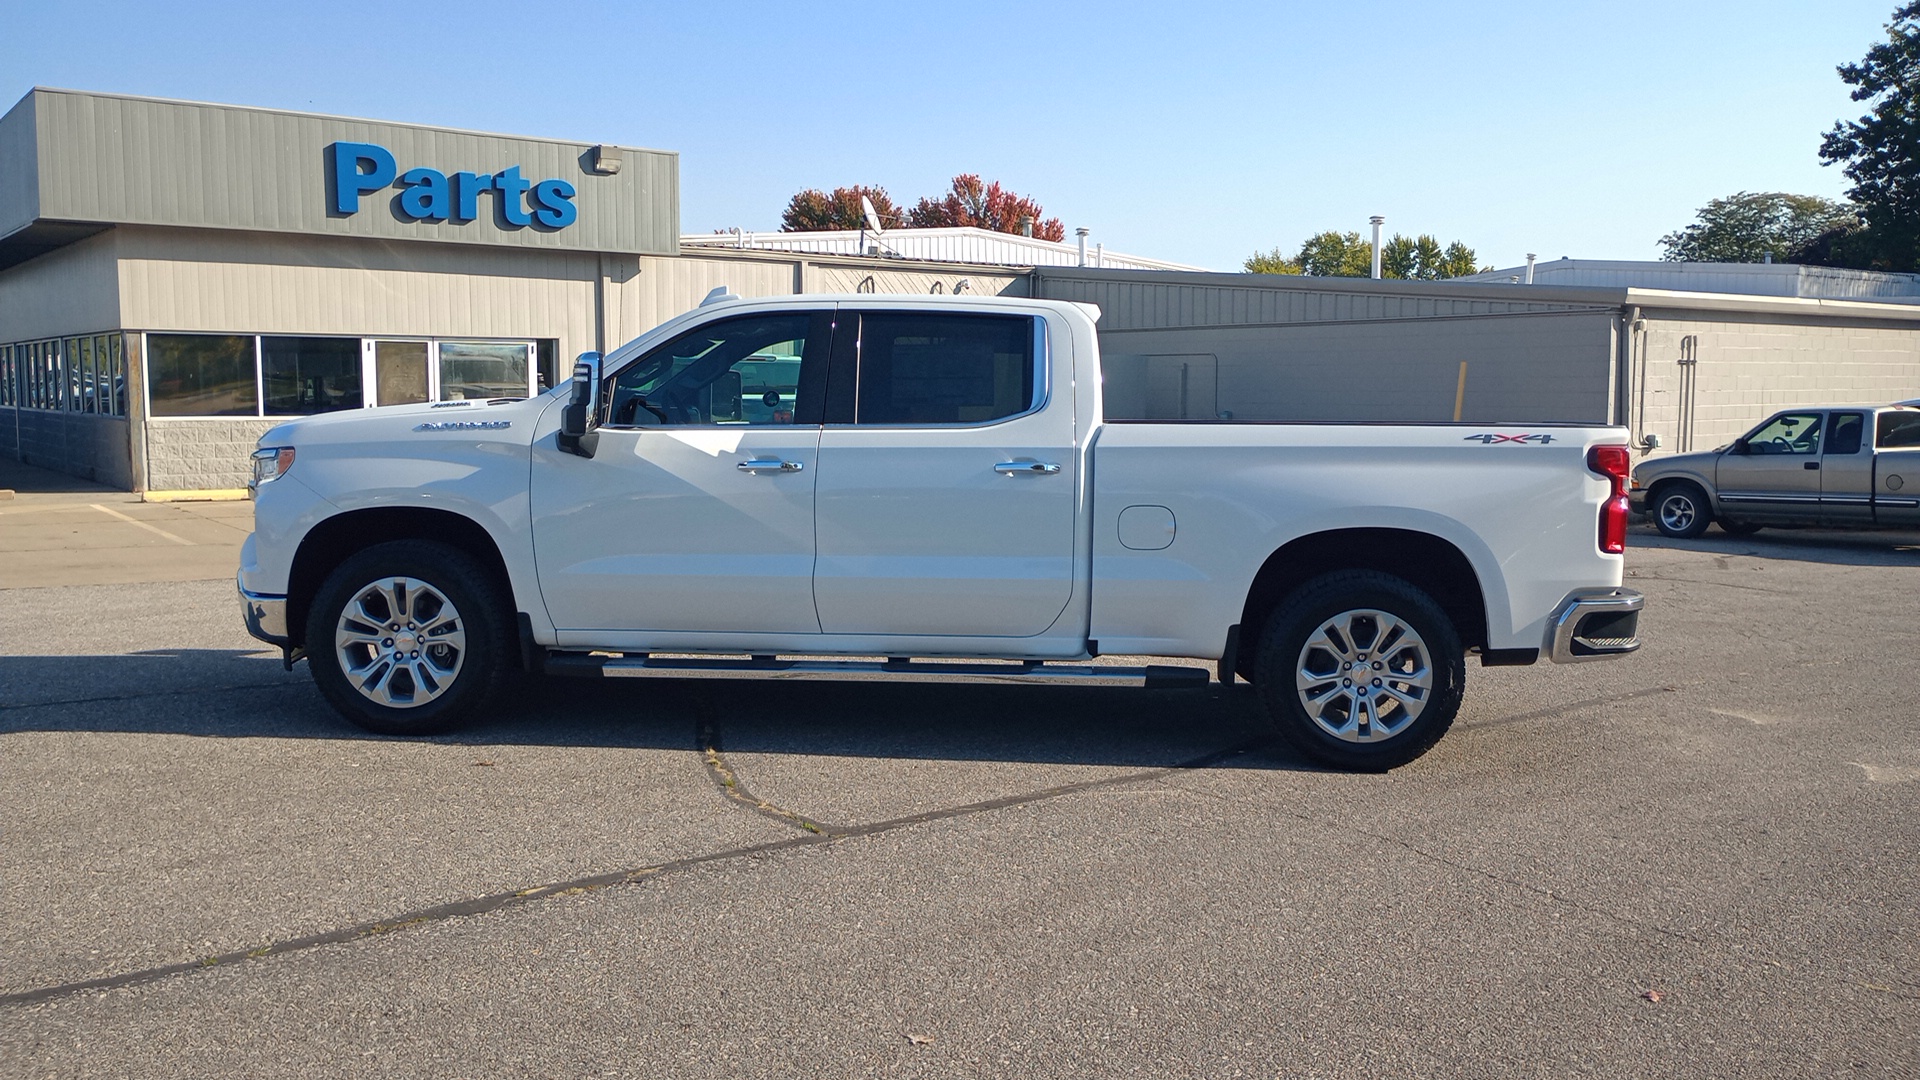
[(136, 521)]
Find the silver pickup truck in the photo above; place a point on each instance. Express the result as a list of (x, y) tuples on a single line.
[(1850, 466)]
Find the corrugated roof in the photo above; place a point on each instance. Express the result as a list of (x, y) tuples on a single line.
[(959, 245), (1752, 279)]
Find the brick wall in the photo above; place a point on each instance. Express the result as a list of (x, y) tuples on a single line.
[(199, 455)]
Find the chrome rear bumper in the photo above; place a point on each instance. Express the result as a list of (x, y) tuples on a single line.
[(1593, 624)]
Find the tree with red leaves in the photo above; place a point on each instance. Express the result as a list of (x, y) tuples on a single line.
[(813, 210), (983, 206)]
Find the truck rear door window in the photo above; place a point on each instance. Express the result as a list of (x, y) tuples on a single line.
[(1898, 430), (944, 369)]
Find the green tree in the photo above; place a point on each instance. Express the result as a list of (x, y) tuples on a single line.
[(1336, 254), (1748, 226), (1270, 262), (814, 210), (1881, 150)]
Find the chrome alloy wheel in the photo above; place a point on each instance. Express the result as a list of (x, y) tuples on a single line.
[(1364, 675), (400, 642), (1677, 512)]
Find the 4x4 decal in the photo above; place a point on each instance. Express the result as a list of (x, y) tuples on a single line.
[(1493, 438)]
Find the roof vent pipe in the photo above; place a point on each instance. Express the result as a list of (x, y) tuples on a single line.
[(1082, 234), (1530, 258), (1099, 255), (1026, 226), (1377, 222), (1767, 258)]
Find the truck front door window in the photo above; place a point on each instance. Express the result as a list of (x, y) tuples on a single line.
[(744, 371)]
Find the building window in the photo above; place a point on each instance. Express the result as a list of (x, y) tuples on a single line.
[(202, 375), (472, 369), (6, 376), (310, 374)]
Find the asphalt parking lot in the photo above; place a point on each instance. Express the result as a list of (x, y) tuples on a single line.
[(1697, 861)]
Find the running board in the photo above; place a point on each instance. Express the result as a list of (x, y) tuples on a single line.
[(1028, 673)]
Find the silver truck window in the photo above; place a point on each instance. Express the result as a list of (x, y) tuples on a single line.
[(918, 368), (1898, 430), (1847, 428), (739, 371), (1789, 433)]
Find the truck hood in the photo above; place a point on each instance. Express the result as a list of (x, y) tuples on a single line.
[(493, 419), (1700, 462)]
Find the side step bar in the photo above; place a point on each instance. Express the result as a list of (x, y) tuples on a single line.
[(1032, 672)]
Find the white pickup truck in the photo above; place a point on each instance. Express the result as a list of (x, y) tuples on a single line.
[(924, 488)]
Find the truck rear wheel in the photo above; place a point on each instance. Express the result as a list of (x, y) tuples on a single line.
[(407, 638), (1360, 670)]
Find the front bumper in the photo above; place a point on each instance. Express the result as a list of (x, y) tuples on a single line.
[(1594, 624), (266, 616)]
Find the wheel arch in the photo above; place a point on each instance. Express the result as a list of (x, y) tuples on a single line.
[(334, 540), (1430, 563)]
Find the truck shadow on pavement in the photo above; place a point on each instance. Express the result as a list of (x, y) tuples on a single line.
[(222, 693), (1834, 547)]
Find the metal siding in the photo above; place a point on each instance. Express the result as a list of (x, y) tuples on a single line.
[(1525, 369), (74, 290), (139, 161), (225, 282), (19, 168)]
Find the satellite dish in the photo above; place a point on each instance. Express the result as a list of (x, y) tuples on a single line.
[(873, 219)]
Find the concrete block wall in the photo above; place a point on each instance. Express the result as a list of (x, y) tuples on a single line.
[(196, 455), (91, 447), (1750, 368)]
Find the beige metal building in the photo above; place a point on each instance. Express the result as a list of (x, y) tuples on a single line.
[(1694, 368)]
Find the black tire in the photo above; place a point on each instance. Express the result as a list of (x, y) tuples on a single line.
[(1363, 740), (463, 661), (1738, 528), (1681, 510)]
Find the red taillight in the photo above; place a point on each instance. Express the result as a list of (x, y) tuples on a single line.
[(1614, 463)]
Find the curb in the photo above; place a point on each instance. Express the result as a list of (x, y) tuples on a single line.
[(209, 495)]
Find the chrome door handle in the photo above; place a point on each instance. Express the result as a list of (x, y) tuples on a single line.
[(1022, 468), (769, 465)]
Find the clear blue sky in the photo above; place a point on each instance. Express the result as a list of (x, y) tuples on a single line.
[(1198, 132)]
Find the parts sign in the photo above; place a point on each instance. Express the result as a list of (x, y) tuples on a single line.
[(431, 195)]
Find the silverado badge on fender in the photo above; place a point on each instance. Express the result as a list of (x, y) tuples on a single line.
[(463, 425)]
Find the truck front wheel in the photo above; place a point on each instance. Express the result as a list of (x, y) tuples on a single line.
[(407, 637), (1360, 670)]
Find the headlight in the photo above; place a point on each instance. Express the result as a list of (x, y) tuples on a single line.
[(270, 463)]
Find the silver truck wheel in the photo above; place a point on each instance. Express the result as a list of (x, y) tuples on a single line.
[(409, 637), (1681, 511), (1360, 670), (1364, 676), (400, 642)]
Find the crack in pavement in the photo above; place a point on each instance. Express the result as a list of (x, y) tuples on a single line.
[(1555, 710), (724, 777), (482, 905), (144, 694)]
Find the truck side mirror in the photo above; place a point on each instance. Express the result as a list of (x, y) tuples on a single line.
[(580, 419), (1740, 446)]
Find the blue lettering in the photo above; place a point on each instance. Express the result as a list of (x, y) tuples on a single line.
[(509, 193), (466, 194), (426, 197), (555, 198), (350, 181), (356, 169)]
